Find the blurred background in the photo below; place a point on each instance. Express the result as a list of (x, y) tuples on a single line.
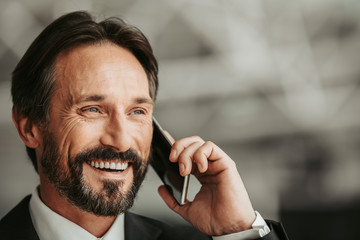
[(274, 83)]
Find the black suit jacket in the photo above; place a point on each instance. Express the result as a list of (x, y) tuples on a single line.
[(17, 225)]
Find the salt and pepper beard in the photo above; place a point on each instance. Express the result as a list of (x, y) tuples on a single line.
[(70, 183)]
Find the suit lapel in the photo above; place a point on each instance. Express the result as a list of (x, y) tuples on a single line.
[(17, 224), (138, 229)]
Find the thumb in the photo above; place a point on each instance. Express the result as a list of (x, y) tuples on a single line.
[(170, 201)]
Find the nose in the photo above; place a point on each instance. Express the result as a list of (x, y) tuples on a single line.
[(117, 134)]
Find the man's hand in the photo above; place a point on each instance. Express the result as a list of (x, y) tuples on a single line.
[(222, 205)]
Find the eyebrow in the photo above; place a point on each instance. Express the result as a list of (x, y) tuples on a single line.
[(144, 100), (91, 98), (86, 98), (99, 98)]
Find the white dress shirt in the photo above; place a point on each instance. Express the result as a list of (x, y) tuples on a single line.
[(51, 226)]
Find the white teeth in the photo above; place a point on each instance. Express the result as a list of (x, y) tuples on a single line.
[(112, 165), (121, 166), (118, 166), (109, 165)]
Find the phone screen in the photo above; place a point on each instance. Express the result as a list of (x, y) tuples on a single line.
[(167, 171)]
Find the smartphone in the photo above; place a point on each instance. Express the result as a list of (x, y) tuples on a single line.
[(168, 172)]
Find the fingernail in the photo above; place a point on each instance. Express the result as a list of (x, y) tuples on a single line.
[(182, 167), (173, 154), (201, 167)]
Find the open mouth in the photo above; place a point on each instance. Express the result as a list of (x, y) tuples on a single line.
[(110, 166)]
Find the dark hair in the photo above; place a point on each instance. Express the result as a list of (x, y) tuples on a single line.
[(33, 79)]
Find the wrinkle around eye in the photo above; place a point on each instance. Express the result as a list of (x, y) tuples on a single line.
[(69, 122)]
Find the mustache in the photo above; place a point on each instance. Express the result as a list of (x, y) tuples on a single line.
[(104, 153)]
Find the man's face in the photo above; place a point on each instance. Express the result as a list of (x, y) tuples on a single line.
[(96, 146)]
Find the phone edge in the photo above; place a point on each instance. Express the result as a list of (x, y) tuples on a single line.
[(184, 190), (186, 178)]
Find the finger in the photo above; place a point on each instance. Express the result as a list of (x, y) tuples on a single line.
[(201, 156), (180, 145), (186, 158), (211, 152)]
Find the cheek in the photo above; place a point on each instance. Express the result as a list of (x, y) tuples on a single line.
[(77, 136), (144, 136), (84, 136)]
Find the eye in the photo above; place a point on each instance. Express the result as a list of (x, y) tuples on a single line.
[(91, 110), (138, 112)]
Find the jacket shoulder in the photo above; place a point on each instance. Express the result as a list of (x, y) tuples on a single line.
[(17, 224)]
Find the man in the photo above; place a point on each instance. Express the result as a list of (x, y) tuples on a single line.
[(83, 97)]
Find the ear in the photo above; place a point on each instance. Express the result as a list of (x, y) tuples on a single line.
[(29, 132)]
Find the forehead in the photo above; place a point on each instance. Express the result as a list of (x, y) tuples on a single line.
[(99, 69)]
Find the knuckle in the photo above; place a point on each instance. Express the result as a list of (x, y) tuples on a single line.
[(198, 155), (177, 146), (184, 157), (197, 139), (231, 164)]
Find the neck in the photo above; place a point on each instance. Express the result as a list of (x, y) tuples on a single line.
[(96, 225)]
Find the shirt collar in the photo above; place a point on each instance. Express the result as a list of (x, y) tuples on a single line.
[(50, 225)]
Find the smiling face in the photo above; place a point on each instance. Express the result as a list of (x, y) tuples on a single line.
[(96, 145)]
